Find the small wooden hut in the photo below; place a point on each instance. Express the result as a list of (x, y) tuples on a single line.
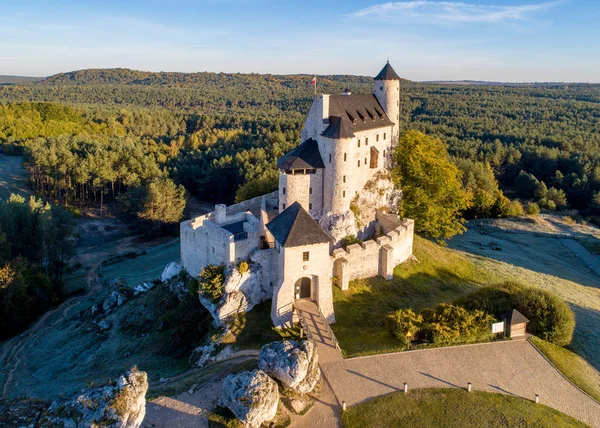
[(516, 323)]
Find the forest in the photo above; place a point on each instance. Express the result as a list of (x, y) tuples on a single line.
[(92, 135)]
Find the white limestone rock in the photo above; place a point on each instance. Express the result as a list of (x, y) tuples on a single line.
[(338, 226), (104, 325), (113, 300), (142, 287), (252, 396), (171, 270), (120, 404), (241, 293), (294, 364)]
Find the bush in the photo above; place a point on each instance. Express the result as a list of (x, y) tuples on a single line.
[(532, 208), (550, 318), (402, 322), (450, 324), (243, 267), (350, 239), (211, 281), (515, 209)]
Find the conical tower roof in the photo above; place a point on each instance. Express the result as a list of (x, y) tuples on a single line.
[(294, 227), (387, 73)]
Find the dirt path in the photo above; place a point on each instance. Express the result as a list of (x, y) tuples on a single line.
[(592, 261)]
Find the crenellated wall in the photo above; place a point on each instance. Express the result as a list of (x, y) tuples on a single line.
[(374, 257)]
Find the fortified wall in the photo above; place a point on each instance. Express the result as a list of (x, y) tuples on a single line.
[(378, 256)]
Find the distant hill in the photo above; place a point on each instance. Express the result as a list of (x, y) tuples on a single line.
[(12, 80), (489, 83), (124, 76)]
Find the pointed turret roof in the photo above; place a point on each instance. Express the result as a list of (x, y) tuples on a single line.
[(294, 227), (387, 73), (304, 156)]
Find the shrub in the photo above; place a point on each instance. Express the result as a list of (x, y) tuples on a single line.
[(350, 239), (243, 267), (532, 208), (211, 281), (402, 322), (515, 209), (450, 324), (550, 318)]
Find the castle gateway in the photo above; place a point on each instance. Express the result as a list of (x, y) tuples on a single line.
[(334, 187)]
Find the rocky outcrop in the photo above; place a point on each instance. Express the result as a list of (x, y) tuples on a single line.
[(241, 292), (252, 396), (294, 364), (120, 404), (360, 220), (171, 270)]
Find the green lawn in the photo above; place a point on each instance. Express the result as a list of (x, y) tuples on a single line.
[(145, 267), (454, 408), (579, 371), (440, 275)]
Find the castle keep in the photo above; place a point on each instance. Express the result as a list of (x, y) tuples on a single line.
[(334, 185)]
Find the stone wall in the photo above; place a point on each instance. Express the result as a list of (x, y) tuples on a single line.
[(291, 269), (374, 257)]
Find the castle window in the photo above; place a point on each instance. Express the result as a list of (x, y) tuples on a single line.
[(213, 249), (283, 191), (310, 190), (384, 135), (344, 194), (359, 142), (310, 206), (377, 137), (344, 178), (344, 157), (381, 88), (283, 206), (366, 159), (374, 157), (305, 256), (329, 157), (359, 163), (366, 141)]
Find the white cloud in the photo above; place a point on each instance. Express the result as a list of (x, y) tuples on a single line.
[(457, 12)]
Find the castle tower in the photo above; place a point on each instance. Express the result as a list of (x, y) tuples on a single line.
[(387, 92)]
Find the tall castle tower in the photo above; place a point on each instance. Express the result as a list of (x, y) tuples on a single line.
[(387, 92)]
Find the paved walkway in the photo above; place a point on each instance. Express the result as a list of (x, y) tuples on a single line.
[(317, 329), (510, 367)]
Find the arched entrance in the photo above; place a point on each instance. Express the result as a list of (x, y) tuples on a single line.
[(302, 288)]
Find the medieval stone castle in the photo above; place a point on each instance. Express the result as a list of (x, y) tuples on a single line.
[(333, 188)]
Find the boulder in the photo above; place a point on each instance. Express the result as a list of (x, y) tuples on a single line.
[(171, 270), (104, 325), (113, 300), (252, 396), (142, 287), (294, 364), (119, 404)]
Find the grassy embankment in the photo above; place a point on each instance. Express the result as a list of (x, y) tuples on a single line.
[(451, 407), (440, 275), (575, 368)]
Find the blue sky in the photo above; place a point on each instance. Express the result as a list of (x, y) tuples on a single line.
[(505, 40)]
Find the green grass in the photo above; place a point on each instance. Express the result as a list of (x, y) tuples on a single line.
[(440, 275), (253, 329), (579, 371), (143, 267), (454, 408)]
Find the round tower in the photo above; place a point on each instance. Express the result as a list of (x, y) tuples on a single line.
[(387, 91)]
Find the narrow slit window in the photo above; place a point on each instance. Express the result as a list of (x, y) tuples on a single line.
[(310, 190), (283, 191), (344, 157), (305, 256), (359, 142)]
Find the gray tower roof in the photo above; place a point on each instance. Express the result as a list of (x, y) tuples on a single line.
[(513, 317), (304, 156), (387, 73), (354, 113), (294, 227)]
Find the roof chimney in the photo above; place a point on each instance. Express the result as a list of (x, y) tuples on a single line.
[(347, 91)]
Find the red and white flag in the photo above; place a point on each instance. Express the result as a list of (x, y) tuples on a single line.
[(313, 81)]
